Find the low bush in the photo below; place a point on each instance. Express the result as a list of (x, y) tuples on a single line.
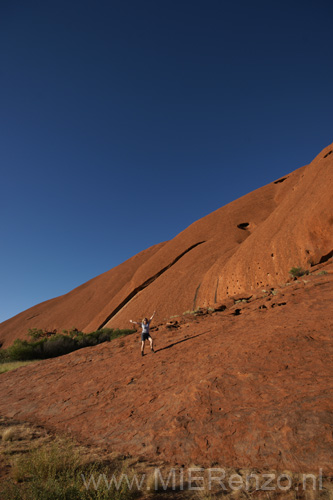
[(36, 333), (3, 356), (296, 272), (57, 344), (22, 350)]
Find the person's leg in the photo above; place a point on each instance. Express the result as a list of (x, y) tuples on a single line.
[(142, 347), (151, 344)]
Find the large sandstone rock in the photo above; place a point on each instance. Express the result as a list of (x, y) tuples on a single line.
[(251, 390), (246, 386), (249, 243)]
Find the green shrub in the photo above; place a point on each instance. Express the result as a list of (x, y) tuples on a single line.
[(21, 350), (34, 333), (3, 355), (296, 272), (58, 344)]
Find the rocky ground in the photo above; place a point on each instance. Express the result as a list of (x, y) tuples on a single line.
[(246, 386), (23, 442)]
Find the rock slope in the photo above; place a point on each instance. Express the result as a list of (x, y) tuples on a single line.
[(248, 385), (249, 243)]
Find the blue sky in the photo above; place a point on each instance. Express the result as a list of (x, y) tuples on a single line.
[(122, 122)]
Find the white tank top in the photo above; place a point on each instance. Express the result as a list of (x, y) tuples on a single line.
[(145, 327)]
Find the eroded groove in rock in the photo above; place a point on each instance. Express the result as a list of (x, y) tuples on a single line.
[(217, 284), (146, 283), (195, 296)]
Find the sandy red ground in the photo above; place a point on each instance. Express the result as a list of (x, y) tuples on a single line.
[(250, 386)]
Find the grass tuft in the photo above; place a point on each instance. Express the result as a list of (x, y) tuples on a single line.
[(195, 311), (296, 272), (8, 366), (8, 434), (57, 471)]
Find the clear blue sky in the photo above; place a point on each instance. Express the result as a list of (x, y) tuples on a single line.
[(122, 122)]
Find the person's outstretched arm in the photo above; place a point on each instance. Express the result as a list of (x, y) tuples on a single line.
[(134, 322), (152, 316)]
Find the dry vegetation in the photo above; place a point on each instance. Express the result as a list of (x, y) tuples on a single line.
[(6, 367), (34, 464)]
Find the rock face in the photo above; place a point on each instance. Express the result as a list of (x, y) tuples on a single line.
[(249, 243), (246, 386)]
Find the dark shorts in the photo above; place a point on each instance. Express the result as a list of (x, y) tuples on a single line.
[(145, 336)]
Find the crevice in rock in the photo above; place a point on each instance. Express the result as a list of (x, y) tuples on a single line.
[(145, 284), (326, 257), (280, 180), (221, 307), (34, 316), (243, 225), (328, 153), (195, 296), (242, 299), (217, 284)]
